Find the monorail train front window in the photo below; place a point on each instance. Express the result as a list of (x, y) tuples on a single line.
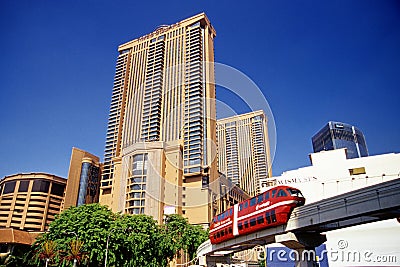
[(282, 193), (294, 192)]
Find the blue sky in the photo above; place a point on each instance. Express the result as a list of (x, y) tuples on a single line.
[(314, 61)]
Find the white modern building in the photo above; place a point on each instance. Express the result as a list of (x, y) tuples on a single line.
[(331, 174)]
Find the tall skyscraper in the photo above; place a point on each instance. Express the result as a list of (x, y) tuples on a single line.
[(243, 150), (160, 152), (336, 135)]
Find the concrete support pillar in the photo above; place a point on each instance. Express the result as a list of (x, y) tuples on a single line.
[(304, 245)]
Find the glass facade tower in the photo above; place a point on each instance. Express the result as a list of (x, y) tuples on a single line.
[(83, 183), (337, 135)]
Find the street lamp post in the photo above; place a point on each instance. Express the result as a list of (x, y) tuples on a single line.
[(76, 235), (108, 241)]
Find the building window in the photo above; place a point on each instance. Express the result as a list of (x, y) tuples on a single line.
[(106, 191), (137, 185), (23, 186), (41, 186), (57, 189), (357, 171), (9, 187)]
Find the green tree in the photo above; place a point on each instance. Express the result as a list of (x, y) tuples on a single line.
[(90, 223), (82, 233), (143, 240), (184, 236), (175, 227), (194, 236)]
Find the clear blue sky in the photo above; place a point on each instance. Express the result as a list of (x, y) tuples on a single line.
[(315, 61)]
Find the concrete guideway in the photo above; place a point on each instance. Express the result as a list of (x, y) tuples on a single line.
[(306, 223)]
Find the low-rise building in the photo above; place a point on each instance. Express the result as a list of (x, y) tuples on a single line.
[(30, 201)]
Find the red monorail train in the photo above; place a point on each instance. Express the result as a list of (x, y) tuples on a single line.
[(267, 209)]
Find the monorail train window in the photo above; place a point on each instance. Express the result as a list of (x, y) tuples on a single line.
[(267, 216), (230, 212), (253, 222), (246, 224), (218, 235), (260, 198), (273, 193), (240, 207), (282, 193), (230, 230), (266, 195), (222, 233), (215, 236), (260, 220), (246, 204), (240, 226), (273, 216), (294, 192), (253, 201)]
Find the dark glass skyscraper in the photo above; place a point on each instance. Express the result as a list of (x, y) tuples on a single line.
[(337, 135)]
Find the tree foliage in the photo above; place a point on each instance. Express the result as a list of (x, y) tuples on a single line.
[(184, 236), (82, 233)]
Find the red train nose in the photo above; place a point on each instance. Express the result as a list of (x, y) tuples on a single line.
[(300, 202)]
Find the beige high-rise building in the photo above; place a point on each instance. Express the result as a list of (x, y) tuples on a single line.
[(243, 150), (160, 154)]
